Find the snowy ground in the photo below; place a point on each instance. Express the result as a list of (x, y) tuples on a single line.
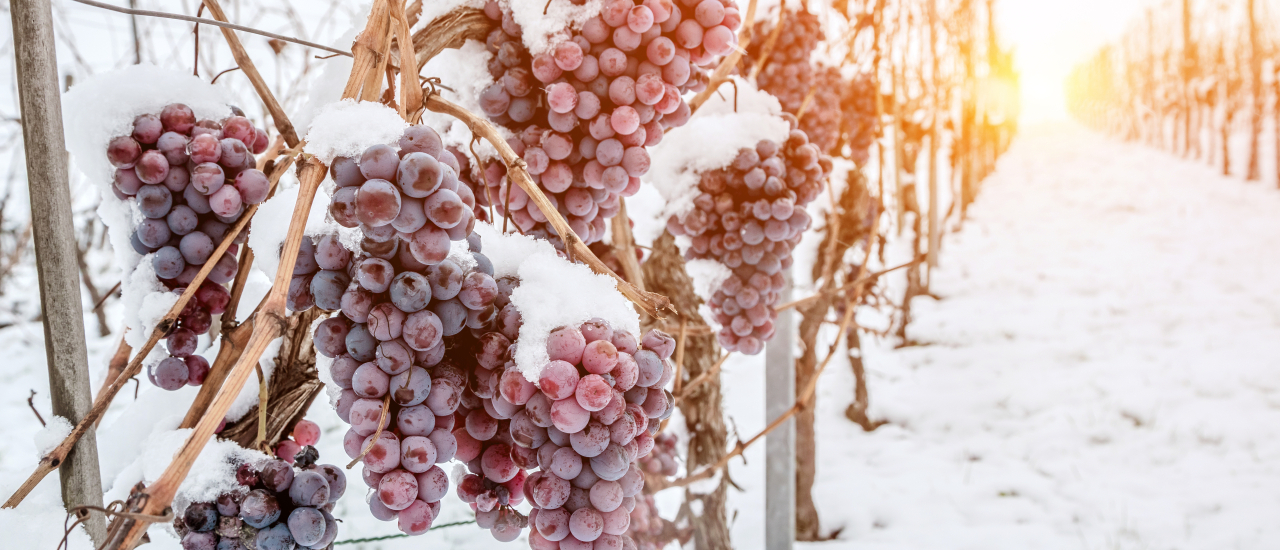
[(1103, 370)]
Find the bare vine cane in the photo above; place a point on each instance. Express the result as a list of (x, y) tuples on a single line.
[(653, 304)]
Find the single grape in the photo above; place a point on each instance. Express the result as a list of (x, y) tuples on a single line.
[(259, 509), (171, 373), (306, 525)]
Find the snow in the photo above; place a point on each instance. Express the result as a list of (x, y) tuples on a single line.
[(542, 31), (553, 292), (145, 299), (347, 127), (1100, 371), (711, 140), (52, 435)]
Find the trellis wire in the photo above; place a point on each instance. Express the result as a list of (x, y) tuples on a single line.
[(401, 535)]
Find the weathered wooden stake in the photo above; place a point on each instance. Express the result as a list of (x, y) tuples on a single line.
[(780, 445), (55, 245)]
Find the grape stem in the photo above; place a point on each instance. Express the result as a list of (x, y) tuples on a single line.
[(653, 304), (382, 418)]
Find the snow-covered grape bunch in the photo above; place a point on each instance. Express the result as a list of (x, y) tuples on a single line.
[(858, 122), (276, 507), (189, 179), (790, 76), (584, 111), (391, 330), (398, 299), (591, 417), (749, 216)]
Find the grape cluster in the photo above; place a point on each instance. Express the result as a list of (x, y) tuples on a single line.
[(190, 179), (409, 206), (749, 216), (858, 122), (278, 507), (588, 420), (789, 76), (584, 112), (399, 299)]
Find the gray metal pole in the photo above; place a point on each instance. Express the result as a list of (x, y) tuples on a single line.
[(780, 444), (55, 244)]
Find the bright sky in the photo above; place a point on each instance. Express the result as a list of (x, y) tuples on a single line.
[(1051, 37)]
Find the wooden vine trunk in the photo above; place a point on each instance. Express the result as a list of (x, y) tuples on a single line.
[(294, 384), (664, 273), (852, 223)]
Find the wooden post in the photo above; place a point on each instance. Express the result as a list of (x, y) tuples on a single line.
[(1255, 85), (780, 445), (55, 245), (935, 134), (1188, 66)]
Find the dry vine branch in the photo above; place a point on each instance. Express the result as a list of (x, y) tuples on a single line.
[(766, 50), (653, 304), (860, 280), (450, 30), (251, 72), (625, 246)]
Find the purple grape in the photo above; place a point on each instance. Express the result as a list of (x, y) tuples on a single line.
[(309, 488), (154, 201), (410, 292), (168, 263), (379, 162), (306, 525), (259, 509), (253, 186), (275, 537), (170, 374)]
